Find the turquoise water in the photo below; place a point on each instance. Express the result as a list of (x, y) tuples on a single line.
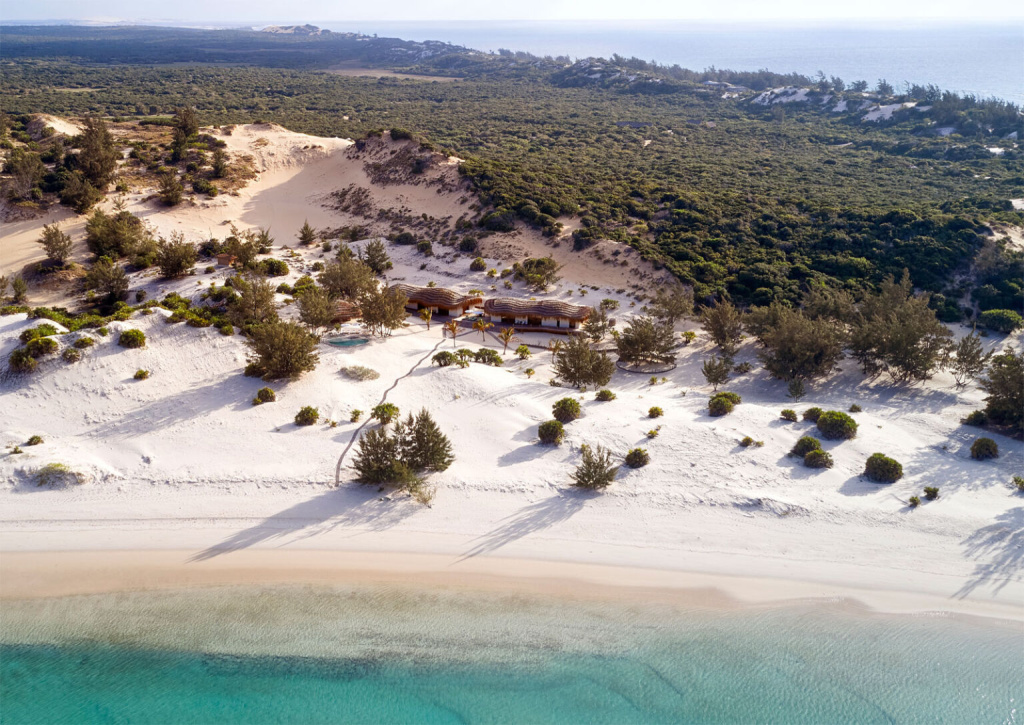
[(347, 341), (357, 655)]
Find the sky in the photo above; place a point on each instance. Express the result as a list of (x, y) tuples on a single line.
[(199, 12)]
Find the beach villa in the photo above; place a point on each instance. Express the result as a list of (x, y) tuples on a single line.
[(440, 301), (549, 315)]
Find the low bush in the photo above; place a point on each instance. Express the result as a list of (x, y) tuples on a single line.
[(71, 355), (749, 442), (655, 412), (805, 445), (478, 265), (836, 425), (264, 395), (812, 414), (274, 267), (141, 374), (931, 492), (742, 368), (566, 410), (604, 395), (984, 448), (444, 359), (978, 418), (914, 502), (360, 373), (385, 413), (653, 432), (132, 339), (57, 475), (308, 415), (855, 409), (487, 356), (1018, 483), (227, 330), (1004, 321), (689, 336), (34, 441), (84, 342), (789, 415), (551, 432), (42, 347), (355, 416), (638, 458), (20, 361), (523, 352), (882, 469), (43, 330), (722, 403), (818, 459)]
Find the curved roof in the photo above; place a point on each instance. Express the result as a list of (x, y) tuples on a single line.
[(436, 296), (510, 306)]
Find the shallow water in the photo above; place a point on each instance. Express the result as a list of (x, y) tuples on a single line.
[(359, 655)]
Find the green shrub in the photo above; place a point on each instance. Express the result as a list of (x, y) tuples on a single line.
[(444, 359), (722, 403), (836, 425), (227, 329), (605, 395), (102, 331), (566, 410), (264, 395), (748, 442), (689, 336), (976, 418), (274, 267), (1005, 321), (478, 265), (523, 352), (595, 469), (931, 492), (71, 355), (132, 339), (141, 374), (789, 415), (637, 458), (355, 415), (34, 441), (812, 414), (385, 413), (43, 330), (41, 347), (551, 432), (805, 445), (487, 356), (818, 459), (1018, 483), (914, 502), (655, 412), (308, 415), (653, 433), (21, 362), (882, 469), (84, 342), (983, 449), (855, 408)]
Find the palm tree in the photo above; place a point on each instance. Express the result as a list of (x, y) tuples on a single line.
[(506, 336), (452, 327), (425, 315), (483, 326), (554, 346)]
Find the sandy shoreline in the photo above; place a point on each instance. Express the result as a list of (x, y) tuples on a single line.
[(27, 575)]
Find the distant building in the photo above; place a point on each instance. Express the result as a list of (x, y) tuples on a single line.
[(555, 315), (345, 311), (440, 301), (226, 260)]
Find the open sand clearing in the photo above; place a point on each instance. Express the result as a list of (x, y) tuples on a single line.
[(183, 462)]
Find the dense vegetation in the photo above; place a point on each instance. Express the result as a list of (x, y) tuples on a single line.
[(744, 201)]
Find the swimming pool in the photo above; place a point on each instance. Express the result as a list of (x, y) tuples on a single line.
[(347, 341)]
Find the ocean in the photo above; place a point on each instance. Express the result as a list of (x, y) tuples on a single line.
[(351, 654), (984, 60)]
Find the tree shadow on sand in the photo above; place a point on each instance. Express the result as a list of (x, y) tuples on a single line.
[(360, 508), (529, 520), (999, 551)]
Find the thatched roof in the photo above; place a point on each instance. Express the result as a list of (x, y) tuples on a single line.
[(512, 307), (437, 296), (345, 311)]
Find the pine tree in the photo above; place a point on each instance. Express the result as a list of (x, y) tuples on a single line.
[(219, 163), (347, 278), (597, 325), (281, 350), (254, 304), (422, 445), (646, 341), (382, 310), (56, 244), (725, 326), (98, 156), (579, 365), (716, 371), (307, 234), (595, 469), (315, 309), (375, 256), (672, 306), (969, 359)]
